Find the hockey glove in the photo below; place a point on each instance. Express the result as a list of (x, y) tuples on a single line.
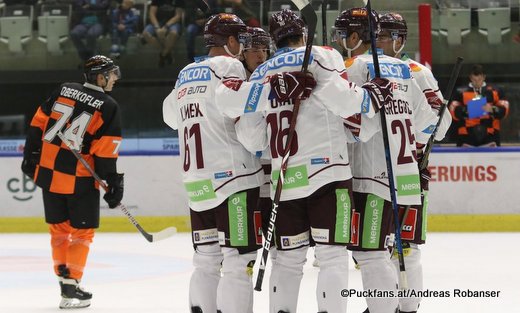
[(291, 85), (380, 91), (116, 186), (29, 163)]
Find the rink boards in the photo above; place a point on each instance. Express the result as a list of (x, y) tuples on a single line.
[(470, 190)]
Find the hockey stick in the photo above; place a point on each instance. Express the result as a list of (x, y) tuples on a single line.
[(311, 19), (426, 154), (391, 182), (324, 21), (163, 234), (202, 5)]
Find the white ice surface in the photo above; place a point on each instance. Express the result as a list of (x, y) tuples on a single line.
[(127, 274)]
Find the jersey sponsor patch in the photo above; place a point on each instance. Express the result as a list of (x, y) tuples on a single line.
[(193, 74), (408, 185), (200, 190), (205, 236), (225, 174), (372, 222), (320, 234), (355, 228), (257, 219), (429, 130), (294, 177), (292, 58), (238, 225), (408, 227), (291, 242), (325, 160), (253, 98), (343, 211), (389, 70)]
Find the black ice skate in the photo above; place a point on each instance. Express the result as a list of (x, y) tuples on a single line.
[(72, 296)]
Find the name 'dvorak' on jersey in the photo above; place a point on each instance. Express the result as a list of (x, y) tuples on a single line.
[(192, 110)]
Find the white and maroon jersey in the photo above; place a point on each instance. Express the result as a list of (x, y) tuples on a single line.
[(429, 86), (319, 152), (215, 164), (409, 120)]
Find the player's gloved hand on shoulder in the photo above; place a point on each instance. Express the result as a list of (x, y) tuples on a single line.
[(291, 85), (29, 163), (116, 186), (380, 91)]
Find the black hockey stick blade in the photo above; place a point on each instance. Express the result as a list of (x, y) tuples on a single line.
[(324, 32), (163, 234), (310, 18)]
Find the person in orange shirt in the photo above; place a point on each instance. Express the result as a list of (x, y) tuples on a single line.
[(90, 119), (477, 110)]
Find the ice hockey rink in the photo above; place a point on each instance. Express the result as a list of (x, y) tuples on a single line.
[(127, 274)]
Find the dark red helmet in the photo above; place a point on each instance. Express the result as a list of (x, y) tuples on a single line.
[(220, 26), (395, 24), (285, 24), (99, 64), (259, 38), (355, 20)]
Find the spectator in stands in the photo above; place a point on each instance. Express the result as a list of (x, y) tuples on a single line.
[(124, 23), (90, 17), (165, 18), (242, 9), (477, 110)]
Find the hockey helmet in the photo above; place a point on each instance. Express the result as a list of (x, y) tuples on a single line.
[(259, 38), (355, 20), (220, 26), (395, 24), (285, 24), (99, 64)]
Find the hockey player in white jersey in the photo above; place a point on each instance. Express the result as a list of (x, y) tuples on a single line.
[(410, 120), (391, 40), (317, 191), (221, 177)]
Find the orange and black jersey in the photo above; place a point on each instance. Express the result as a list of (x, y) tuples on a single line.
[(459, 111), (91, 121)]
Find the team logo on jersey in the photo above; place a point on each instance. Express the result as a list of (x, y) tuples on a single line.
[(320, 161), (225, 174), (193, 74)]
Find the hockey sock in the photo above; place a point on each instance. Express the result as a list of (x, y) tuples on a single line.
[(414, 275), (235, 289), (377, 272), (286, 276), (78, 250), (333, 277), (207, 261), (60, 239)]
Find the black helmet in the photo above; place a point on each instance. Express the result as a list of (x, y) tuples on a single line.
[(259, 37), (220, 26), (355, 20), (99, 64), (285, 24), (395, 24)]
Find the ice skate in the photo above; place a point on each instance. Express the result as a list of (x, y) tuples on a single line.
[(72, 295)]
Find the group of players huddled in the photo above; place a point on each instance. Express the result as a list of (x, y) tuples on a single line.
[(233, 126)]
